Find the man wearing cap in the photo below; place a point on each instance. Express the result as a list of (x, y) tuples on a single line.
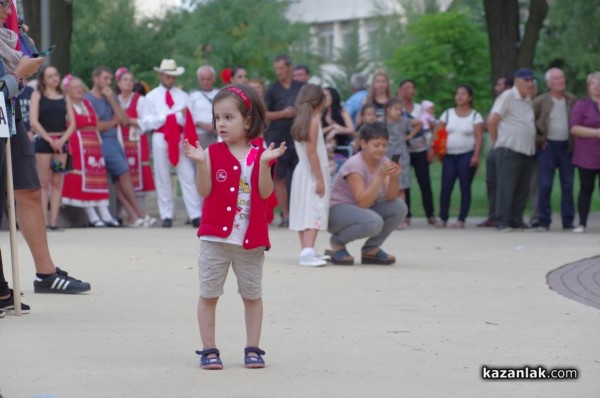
[(166, 116), (512, 129), (555, 145)]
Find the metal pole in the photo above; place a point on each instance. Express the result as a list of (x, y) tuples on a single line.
[(45, 23), (14, 254)]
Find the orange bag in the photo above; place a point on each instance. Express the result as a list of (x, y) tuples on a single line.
[(439, 143)]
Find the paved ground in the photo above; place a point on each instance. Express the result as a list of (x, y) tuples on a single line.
[(422, 328)]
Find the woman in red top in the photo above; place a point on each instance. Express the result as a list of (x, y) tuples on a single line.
[(86, 185), (135, 142)]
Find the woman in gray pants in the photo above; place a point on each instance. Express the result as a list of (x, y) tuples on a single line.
[(364, 200)]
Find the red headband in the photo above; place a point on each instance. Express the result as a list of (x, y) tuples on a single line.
[(240, 93)]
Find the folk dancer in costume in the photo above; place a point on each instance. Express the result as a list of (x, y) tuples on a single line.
[(86, 185), (135, 142), (166, 116)]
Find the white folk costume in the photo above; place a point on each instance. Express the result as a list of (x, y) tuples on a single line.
[(164, 115)]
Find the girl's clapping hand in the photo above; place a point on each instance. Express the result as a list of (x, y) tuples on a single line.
[(272, 153), (195, 153)]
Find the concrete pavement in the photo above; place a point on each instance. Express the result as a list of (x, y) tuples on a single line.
[(456, 300)]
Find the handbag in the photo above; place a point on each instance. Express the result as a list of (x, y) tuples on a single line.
[(439, 143), (441, 138)]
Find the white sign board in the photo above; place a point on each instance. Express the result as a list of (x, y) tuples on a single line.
[(4, 130)]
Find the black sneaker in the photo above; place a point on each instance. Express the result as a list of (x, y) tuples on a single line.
[(8, 305), (2, 313), (60, 282)]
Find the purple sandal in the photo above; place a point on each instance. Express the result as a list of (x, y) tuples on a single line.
[(213, 363), (254, 362)]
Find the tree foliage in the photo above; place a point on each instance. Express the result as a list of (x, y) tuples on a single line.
[(571, 41), (106, 33), (224, 33), (442, 51)]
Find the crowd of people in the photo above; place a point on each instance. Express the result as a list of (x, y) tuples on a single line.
[(330, 165)]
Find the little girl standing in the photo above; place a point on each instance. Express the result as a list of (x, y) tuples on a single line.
[(400, 130), (235, 180), (309, 199)]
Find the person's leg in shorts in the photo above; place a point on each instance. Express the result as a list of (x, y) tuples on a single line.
[(43, 160), (248, 268), (118, 169), (214, 260), (30, 214), (285, 166)]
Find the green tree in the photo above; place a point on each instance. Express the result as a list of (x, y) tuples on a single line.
[(229, 33), (106, 33), (570, 41), (441, 51), (351, 58)]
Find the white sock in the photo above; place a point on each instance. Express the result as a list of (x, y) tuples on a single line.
[(104, 213), (91, 214), (308, 252)]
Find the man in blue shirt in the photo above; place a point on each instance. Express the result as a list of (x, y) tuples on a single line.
[(354, 103)]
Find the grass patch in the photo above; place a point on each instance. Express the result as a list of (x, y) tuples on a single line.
[(479, 202)]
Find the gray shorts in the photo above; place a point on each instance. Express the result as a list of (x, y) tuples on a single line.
[(213, 264), (114, 157)]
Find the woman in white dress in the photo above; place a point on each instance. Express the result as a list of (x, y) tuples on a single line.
[(309, 199)]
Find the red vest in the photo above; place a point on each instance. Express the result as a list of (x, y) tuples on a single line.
[(218, 211)]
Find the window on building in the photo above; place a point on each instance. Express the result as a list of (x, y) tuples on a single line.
[(372, 42), (326, 42), (348, 33)]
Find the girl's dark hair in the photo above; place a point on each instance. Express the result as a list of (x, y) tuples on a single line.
[(366, 106), (138, 87), (391, 102), (403, 82), (256, 113), (41, 86), (469, 91), (372, 131), (309, 98), (236, 70), (336, 107)]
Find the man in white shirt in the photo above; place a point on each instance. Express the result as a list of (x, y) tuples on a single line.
[(165, 115), (555, 145), (512, 129), (201, 105)]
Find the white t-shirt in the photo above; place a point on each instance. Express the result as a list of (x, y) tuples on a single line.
[(241, 221), (461, 131), (558, 123), (201, 107), (516, 130)]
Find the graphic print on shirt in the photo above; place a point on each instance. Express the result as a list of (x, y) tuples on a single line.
[(242, 215)]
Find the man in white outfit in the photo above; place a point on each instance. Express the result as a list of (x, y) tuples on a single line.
[(165, 115)]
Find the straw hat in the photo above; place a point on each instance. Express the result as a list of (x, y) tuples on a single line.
[(169, 67)]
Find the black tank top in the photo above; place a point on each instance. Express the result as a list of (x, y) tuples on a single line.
[(53, 114)]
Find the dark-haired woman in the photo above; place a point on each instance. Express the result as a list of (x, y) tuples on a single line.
[(337, 126), (463, 147), (239, 76), (364, 200), (49, 112), (421, 154)]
